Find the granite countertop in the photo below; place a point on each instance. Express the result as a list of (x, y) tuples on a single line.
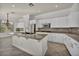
[(71, 32), (54, 30), (32, 36), (74, 36), (3, 35)]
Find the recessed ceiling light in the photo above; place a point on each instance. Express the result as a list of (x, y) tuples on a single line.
[(13, 6), (56, 6)]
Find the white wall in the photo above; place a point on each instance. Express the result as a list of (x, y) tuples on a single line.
[(74, 16), (63, 18), (55, 14), (22, 23), (59, 22)]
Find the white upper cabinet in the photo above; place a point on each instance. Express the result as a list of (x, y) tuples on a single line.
[(55, 22)]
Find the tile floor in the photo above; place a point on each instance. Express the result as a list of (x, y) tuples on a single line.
[(57, 49)]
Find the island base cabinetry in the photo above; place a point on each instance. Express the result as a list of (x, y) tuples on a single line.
[(31, 46)]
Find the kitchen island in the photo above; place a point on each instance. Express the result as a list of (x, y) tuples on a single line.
[(34, 44)]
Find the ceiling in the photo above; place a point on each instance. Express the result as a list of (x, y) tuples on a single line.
[(36, 9)]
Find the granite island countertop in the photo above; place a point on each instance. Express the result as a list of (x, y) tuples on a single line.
[(32, 36)]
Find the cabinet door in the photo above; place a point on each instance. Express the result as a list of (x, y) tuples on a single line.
[(75, 47), (59, 38), (55, 37), (51, 37), (72, 46), (74, 51), (65, 40)]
